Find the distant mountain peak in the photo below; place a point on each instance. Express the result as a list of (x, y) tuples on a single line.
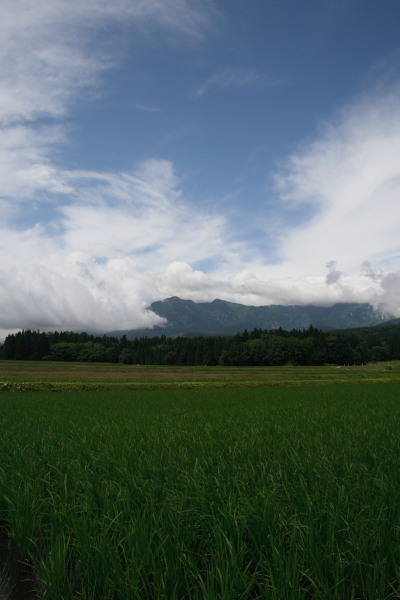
[(220, 317)]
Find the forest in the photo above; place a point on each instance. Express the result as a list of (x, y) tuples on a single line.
[(259, 347)]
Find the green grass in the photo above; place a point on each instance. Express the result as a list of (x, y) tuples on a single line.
[(59, 376), (278, 493)]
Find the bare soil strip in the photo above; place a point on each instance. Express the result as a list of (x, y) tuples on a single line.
[(56, 375)]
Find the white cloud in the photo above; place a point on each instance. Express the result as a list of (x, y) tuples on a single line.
[(25, 165), (115, 237), (350, 176), (47, 50), (139, 214), (52, 52), (390, 293), (230, 78), (115, 242), (150, 109), (71, 291)]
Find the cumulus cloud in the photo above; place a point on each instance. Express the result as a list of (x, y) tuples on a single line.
[(74, 292), (91, 250), (333, 275), (84, 260), (388, 298), (71, 265), (98, 270)]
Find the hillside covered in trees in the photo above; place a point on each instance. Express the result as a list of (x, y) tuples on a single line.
[(219, 317), (259, 347)]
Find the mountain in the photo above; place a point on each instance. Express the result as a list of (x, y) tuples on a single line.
[(391, 322), (187, 318)]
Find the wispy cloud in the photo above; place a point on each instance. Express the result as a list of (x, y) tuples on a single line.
[(351, 176), (348, 179), (138, 214), (116, 241), (53, 52), (151, 109), (230, 78), (134, 223), (47, 52)]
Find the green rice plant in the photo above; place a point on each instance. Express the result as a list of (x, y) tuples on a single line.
[(5, 588), (229, 494)]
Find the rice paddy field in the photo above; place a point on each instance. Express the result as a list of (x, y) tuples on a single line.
[(237, 492)]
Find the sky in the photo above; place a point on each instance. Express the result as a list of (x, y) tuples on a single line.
[(246, 150)]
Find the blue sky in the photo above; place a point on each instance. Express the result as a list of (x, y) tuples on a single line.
[(247, 150)]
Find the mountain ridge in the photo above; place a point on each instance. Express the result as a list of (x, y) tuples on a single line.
[(221, 317)]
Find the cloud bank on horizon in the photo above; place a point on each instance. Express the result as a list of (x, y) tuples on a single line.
[(137, 162)]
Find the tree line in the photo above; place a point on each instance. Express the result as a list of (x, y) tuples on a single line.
[(260, 347)]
